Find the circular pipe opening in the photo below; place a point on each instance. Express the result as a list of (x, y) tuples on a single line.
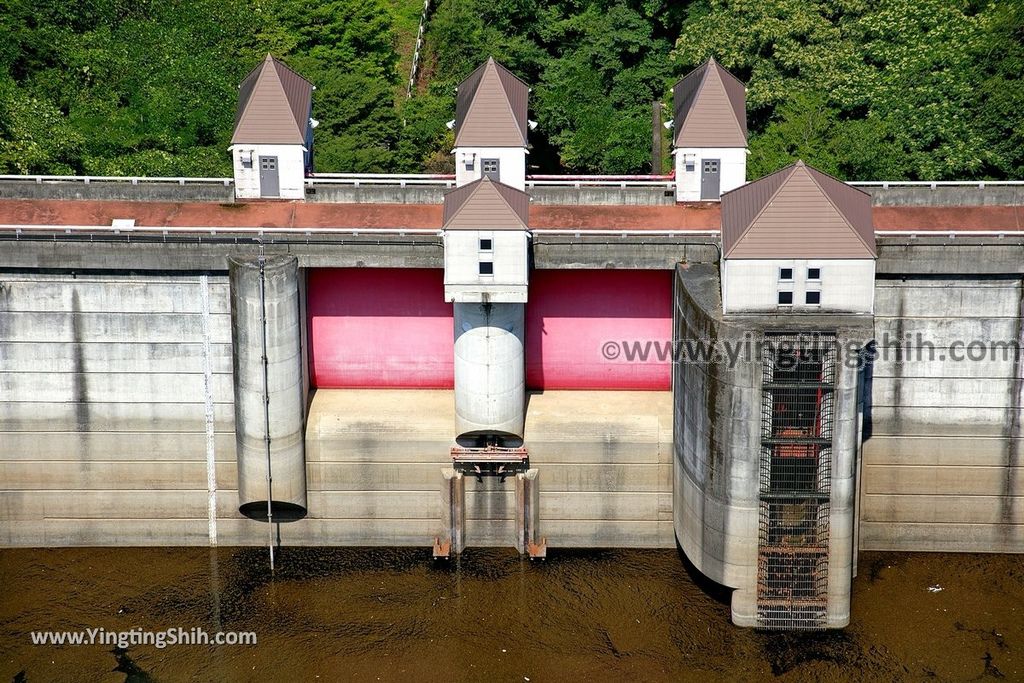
[(281, 511)]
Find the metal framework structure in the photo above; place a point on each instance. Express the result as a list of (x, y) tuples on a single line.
[(797, 406), (491, 460)]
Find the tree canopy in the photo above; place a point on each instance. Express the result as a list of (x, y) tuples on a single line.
[(864, 89)]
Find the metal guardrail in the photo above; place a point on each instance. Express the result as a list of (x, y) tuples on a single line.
[(134, 180), (419, 46), (933, 184), (444, 180), (380, 180), (127, 230)]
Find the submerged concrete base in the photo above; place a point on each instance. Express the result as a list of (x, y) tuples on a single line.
[(374, 456)]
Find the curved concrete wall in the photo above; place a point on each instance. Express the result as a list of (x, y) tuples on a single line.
[(490, 372), (281, 384), (717, 442)]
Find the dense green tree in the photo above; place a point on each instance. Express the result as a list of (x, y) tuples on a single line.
[(150, 88), (896, 89), (869, 89)]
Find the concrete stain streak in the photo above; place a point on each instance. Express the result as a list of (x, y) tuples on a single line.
[(80, 389)]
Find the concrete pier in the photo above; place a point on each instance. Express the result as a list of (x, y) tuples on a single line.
[(265, 326), (528, 538), (719, 498), (452, 538), (490, 369)]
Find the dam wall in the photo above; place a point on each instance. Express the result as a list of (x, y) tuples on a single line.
[(942, 459), (116, 407), (116, 380), (117, 425)]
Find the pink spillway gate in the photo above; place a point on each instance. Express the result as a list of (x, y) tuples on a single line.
[(379, 328), (573, 314), (390, 328)]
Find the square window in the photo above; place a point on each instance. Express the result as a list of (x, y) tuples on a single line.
[(785, 273), (486, 244), (814, 273), (813, 298), (487, 267), (785, 298)]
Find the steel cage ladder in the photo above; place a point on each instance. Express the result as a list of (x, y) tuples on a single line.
[(795, 466)]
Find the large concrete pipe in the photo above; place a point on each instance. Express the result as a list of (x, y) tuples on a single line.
[(490, 370), (268, 397)]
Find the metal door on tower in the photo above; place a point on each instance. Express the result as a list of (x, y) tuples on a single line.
[(270, 185), (491, 168), (710, 179)]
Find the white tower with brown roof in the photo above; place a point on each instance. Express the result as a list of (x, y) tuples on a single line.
[(710, 141), (272, 146), (486, 243), (486, 276), (797, 240), (491, 127)]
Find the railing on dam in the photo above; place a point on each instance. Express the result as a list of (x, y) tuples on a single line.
[(448, 181), (131, 180), (397, 188)]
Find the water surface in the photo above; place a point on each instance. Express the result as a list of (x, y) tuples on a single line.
[(396, 615)]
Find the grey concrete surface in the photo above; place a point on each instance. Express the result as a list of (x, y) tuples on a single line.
[(325, 192), (947, 195), (943, 463), (103, 430), (117, 190), (269, 397), (374, 458), (924, 255), (717, 444)]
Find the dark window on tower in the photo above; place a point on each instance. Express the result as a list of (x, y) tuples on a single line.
[(486, 244), (814, 273), (785, 274), (785, 298), (814, 298), (487, 268)]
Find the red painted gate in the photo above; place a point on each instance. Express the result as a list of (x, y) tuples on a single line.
[(379, 328), (577, 319)]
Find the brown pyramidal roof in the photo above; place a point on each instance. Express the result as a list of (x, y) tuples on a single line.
[(486, 205), (273, 106), (710, 108), (798, 212), (490, 110)]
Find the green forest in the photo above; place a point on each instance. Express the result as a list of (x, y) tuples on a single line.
[(863, 89)]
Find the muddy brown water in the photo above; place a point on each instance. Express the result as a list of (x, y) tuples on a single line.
[(396, 615)]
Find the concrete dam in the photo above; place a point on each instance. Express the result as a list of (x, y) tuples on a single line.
[(495, 360)]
